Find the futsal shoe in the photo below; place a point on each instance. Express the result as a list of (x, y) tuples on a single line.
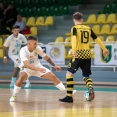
[(13, 99), (67, 99), (12, 104), (27, 86), (91, 94)]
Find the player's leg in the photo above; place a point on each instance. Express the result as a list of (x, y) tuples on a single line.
[(72, 68), (14, 76), (27, 84), (15, 59), (70, 87), (49, 75), (22, 76), (86, 69), (17, 63)]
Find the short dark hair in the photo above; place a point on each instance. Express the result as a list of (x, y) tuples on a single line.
[(32, 38), (16, 27), (77, 15)]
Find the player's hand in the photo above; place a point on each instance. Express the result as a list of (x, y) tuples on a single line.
[(42, 70), (5, 60), (75, 55), (57, 68)]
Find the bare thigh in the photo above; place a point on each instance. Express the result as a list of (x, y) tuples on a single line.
[(22, 76), (51, 77)]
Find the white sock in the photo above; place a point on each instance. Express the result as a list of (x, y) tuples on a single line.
[(14, 78), (61, 87), (27, 81), (16, 90)]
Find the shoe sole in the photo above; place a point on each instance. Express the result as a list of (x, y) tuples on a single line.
[(12, 100), (65, 102)]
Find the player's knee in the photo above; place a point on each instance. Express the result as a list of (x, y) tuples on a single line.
[(68, 74), (52, 77), (23, 76), (85, 76)]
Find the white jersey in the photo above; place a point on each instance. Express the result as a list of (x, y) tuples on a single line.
[(14, 44), (32, 57)]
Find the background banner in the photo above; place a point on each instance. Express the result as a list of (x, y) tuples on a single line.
[(55, 52), (100, 59)]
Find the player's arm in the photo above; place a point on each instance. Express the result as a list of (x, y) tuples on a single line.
[(47, 58), (24, 41), (5, 46), (98, 41), (30, 66), (4, 51), (73, 39)]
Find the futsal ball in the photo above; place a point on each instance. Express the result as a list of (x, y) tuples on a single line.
[(86, 96)]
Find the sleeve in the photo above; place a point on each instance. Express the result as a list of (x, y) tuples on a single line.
[(40, 51), (98, 41), (7, 42), (73, 38), (22, 26), (24, 39), (74, 32), (93, 35), (23, 55)]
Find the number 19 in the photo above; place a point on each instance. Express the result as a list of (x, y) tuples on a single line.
[(84, 36)]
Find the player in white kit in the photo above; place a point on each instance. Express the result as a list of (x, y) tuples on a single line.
[(31, 66), (14, 43)]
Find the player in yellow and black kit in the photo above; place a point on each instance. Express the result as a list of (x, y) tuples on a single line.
[(80, 35)]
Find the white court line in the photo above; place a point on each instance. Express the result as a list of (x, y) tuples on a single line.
[(54, 113)]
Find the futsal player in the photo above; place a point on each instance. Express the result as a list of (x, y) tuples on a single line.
[(31, 66), (13, 43), (80, 36)]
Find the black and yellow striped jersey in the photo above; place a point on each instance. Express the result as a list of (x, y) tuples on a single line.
[(80, 38)]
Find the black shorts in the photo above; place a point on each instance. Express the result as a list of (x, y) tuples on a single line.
[(84, 64)]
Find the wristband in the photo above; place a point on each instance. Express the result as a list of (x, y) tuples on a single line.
[(5, 57)]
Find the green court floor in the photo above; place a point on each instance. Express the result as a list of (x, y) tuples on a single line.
[(52, 87)]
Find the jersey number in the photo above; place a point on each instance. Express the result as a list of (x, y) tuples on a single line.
[(84, 36)]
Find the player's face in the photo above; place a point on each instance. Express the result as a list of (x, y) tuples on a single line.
[(33, 44), (15, 32)]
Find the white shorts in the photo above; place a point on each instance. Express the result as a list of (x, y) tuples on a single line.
[(35, 73), (16, 60)]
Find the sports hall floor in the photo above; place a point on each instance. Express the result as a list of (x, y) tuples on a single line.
[(42, 101)]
